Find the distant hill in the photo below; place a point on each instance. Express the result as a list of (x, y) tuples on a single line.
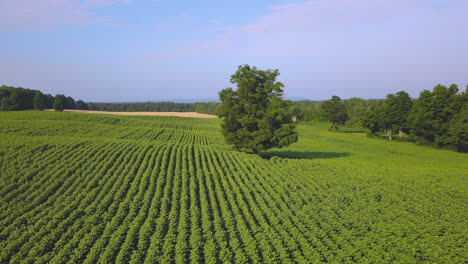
[(295, 99)]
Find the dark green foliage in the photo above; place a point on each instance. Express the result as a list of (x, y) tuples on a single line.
[(60, 102), (207, 107), (255, 116), (431, 114), (81, 105), (297, 114), (39, 101), (13, 98), (355, 108), (398, 107), (371, 120), (70, 103), (334, 111), (4, 92), (458, 130), (458, 126), (310, 110), (199, 107), (437, 117), (372, 104), (49, 101), (390, 116), (7, 103), (143, 107)]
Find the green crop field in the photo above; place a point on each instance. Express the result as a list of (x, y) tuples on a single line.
[(84, 188)]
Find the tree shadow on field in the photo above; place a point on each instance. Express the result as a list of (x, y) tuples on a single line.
[(353, 131), (288, 154)]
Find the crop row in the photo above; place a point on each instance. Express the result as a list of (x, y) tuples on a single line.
[(90, 131), (186, 197)]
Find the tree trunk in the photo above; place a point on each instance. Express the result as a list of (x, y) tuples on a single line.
[(389, 133), (334, 126), (400, 133)]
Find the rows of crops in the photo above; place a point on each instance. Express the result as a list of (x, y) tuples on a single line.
[(172, 129), (185, 196)]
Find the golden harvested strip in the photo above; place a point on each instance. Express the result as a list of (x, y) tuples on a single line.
[(179, 114)]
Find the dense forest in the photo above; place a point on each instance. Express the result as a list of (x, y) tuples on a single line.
[(17, 98)]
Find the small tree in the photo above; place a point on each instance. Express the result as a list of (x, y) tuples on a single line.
[(334, 111), (297, 114), (39, 101), (59, 102), (255, 117), (398, 107)]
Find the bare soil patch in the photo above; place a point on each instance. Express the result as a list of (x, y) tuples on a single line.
[(179, 114)]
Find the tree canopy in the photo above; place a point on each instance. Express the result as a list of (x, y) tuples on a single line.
[(255, 117), (334, 111), (390, 116), (437, 117), (81, 105), (437, 114), (60, 102), (17, 98), (39, 101), (355, 108)]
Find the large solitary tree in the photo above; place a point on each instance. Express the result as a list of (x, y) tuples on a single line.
[(255, 117)]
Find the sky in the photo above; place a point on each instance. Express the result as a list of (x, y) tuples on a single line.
[(155, 50)]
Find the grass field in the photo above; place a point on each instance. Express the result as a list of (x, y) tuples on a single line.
[(83, 188)]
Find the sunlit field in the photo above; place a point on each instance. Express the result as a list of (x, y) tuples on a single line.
[(84, 188)]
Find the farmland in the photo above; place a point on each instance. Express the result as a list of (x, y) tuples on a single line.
[(83, 188)]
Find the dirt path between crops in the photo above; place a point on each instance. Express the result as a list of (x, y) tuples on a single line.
[(179, 114)]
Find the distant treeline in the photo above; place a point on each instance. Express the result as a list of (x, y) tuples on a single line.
[(205, 108), (302, 110), (17, 98), (355, 109), (438, 117)]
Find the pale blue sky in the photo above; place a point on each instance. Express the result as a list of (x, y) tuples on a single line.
[(140, 50)]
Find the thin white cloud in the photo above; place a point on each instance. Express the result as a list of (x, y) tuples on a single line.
[(319, 13), (51, 14), (286, 28)]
